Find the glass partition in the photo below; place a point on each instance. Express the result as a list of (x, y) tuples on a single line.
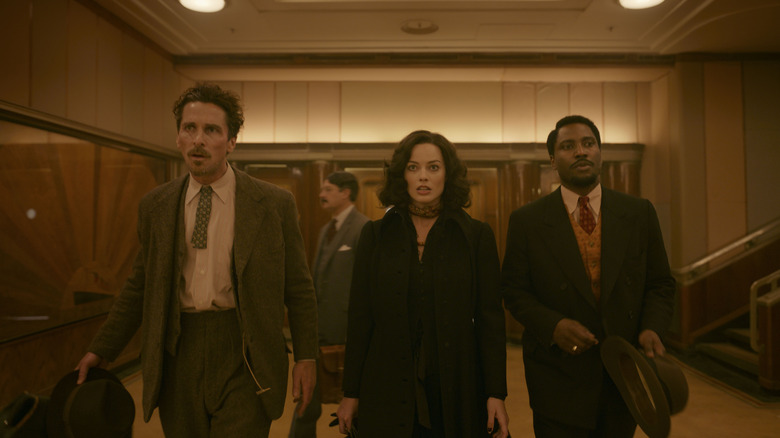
[(67, 225)]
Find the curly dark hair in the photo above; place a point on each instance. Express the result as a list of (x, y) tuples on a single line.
[(395, 192), (212, 93), (552, 138)]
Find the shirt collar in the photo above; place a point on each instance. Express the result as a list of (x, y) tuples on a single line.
[(225, 185), (594, 199), (341, 217)]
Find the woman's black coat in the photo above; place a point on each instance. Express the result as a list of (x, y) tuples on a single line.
[(471, 340)]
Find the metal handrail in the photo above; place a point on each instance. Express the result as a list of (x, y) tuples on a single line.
[(697, 269), (772, 280)]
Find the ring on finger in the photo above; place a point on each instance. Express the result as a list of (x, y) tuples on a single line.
[(574, 349)]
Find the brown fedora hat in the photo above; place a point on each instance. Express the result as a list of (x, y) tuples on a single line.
[(653, 388), (99, 407)]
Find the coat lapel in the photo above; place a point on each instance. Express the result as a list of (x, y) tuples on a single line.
[(250, 212), (328, 251), (615, 229), (562, 242)]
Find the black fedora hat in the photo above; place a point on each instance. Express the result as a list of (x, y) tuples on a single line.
[(99, 407), (653, 388)]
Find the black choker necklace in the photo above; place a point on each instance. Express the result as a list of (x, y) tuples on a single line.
[(427, 212)]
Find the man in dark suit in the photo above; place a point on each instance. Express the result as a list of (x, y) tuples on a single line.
[(583, 263), (221, 257), (332, 271)]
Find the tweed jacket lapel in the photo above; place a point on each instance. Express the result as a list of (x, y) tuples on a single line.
[(616, 225), (562, 242), (250, 212)]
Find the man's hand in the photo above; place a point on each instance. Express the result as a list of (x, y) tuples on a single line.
[(304, 376), (573, 337), (90, 360), (651, 343), (348, 411), (497, 413)]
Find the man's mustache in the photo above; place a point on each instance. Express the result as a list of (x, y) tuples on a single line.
[(198, 151), (578, 162)]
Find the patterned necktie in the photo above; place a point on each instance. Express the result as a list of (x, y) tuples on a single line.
[(587, 221), (199, 234), (331, 230)]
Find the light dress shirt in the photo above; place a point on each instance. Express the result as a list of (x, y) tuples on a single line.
[(206, 284), (594, 200), (341, 217)]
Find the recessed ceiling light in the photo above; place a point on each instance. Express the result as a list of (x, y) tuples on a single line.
[(639, 4), (203, 5)]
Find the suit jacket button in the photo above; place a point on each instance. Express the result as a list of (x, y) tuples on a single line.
[(563, 286)]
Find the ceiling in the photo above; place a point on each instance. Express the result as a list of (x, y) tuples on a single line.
[(247, 28)]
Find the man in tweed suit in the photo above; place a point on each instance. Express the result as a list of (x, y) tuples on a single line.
[(332, 271), (210, 285)]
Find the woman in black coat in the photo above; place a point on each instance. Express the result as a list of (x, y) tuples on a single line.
[(426, 347)]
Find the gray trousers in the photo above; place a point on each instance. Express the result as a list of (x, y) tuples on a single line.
[(207, 390)]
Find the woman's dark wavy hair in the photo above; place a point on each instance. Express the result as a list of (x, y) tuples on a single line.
[(394, 191), (212, 93)]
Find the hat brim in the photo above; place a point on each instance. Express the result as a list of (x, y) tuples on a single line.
[(639, 386), (55, 423)]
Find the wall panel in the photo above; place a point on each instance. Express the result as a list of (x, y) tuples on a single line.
[(132, 87), (153, 97), (587, 99), (762, 137), (15, 74), (259, 112), (724, 154), (49, 57), (109, 77), (291, 112), (620, 113), (387, 111), (324, 112), (82, 64), (552, 103), (518, 104), (689, 206)]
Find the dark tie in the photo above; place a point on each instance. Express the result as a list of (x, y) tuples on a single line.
[(199, 234), (587, 222), (331, 230)]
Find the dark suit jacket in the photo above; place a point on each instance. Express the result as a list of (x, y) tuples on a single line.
[(270, 272), (544, 280), (332, 274)]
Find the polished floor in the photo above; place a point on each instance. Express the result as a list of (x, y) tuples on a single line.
[(713, 411)]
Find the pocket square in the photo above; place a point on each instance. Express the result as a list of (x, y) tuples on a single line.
[(345, 248)]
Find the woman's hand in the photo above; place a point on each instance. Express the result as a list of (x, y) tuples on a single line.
[(348, 410), (496, 414)]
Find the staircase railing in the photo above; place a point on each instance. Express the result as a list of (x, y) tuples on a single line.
[(692, 272), (716, 288)]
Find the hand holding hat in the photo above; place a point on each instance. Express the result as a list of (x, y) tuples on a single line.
[(99, 407), (653, 388)]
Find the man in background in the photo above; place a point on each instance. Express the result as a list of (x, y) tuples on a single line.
[(581, 264), (221, 257), (332, 272)]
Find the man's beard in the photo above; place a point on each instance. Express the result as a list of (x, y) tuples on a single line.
[(582, 181)]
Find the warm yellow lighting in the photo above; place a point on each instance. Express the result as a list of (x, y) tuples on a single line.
[(203, 5), (639, 4)]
